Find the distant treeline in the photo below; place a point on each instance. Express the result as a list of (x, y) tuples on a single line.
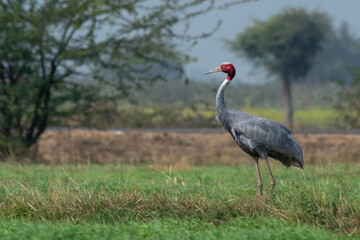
[(192, 105), (201, 95)]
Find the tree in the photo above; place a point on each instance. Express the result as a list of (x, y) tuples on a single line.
[(57, 56), (285, 45)]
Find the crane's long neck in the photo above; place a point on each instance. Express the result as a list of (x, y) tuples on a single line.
[(220, 102)]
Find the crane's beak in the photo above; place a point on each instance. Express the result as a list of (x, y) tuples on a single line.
[(217, 69)]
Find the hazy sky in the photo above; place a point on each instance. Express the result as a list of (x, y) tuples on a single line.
[(210, 52)]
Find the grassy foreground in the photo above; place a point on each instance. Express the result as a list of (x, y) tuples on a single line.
[(113, 202)]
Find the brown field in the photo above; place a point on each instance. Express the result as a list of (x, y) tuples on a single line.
[(181, 150)]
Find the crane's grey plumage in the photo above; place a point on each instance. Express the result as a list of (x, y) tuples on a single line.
[(258, 137)]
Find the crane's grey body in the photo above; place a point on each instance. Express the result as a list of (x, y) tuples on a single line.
[(259, 137)]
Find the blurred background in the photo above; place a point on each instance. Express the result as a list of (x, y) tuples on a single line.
[(107, 124), (138, 65)]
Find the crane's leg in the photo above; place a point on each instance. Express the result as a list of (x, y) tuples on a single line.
[(260, 183), (272, 177)]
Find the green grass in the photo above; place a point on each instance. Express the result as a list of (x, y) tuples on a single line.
[(306, 118), (217, 202), (239, 228), (178, 117)]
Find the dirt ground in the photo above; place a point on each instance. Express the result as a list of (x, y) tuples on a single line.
[(181, 150)]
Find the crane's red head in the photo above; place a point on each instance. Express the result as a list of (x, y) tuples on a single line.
[(225, 67)]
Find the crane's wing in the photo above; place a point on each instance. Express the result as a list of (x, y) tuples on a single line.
[(264, 134)]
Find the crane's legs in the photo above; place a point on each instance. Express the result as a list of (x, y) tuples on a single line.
[(260, 183)]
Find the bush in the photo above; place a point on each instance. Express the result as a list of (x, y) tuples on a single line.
[(348, 101), (10, 146)]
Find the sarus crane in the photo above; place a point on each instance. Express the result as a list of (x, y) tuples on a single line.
[(258, 137)]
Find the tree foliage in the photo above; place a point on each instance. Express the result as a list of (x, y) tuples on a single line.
[(61, 56), (285, 45)]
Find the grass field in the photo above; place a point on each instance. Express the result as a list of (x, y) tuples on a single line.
[(143, 202)]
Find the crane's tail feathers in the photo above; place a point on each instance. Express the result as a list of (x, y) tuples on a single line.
[(298, 163)]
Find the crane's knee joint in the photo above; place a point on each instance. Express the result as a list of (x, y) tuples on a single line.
[(260, 185)]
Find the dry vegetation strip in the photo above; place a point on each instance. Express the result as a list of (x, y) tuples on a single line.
[(181, 150)]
